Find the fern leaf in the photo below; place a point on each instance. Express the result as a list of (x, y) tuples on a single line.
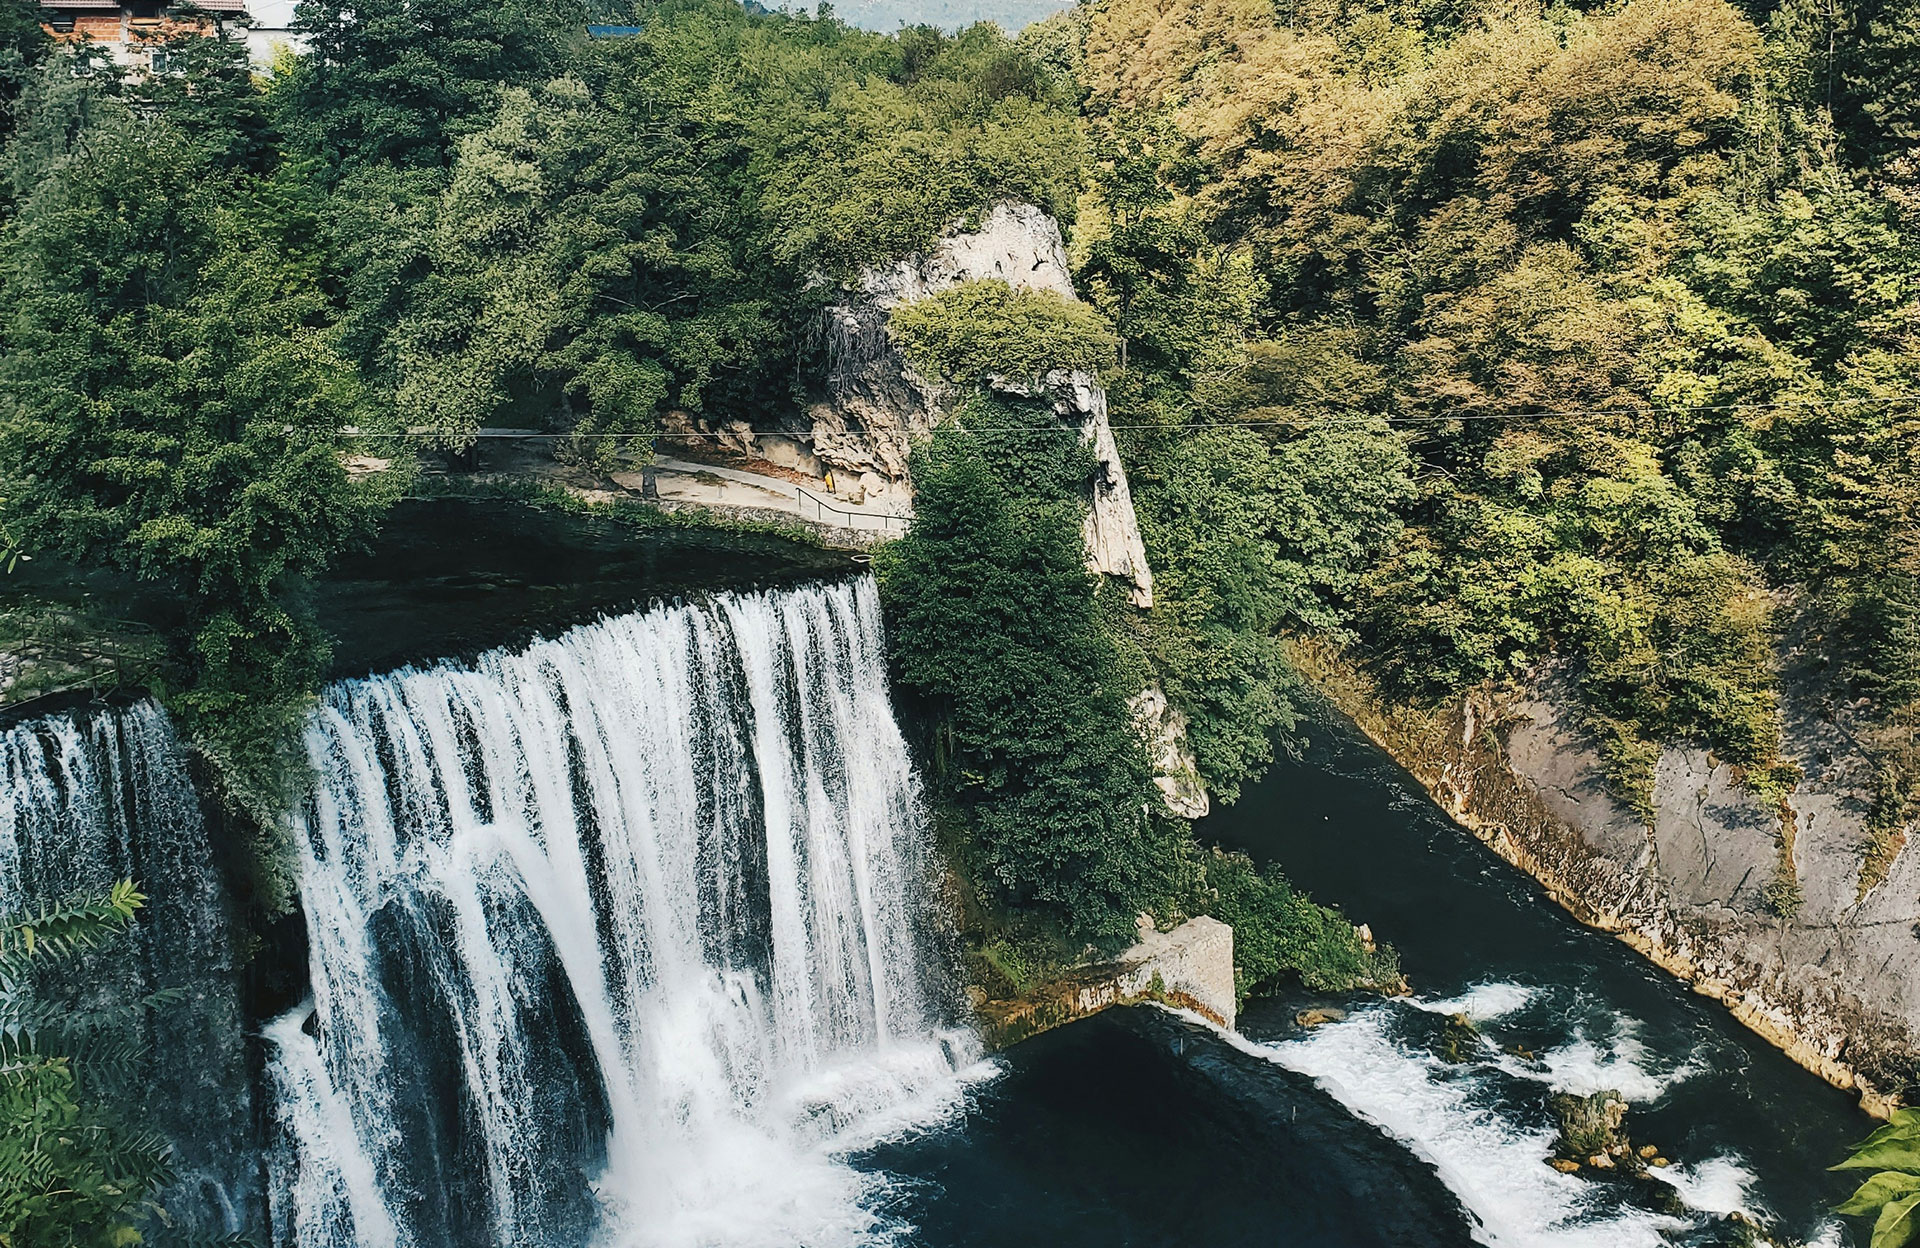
[(59, 929)]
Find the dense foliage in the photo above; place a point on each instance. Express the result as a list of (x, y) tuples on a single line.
[(174, 401), (22, 45), (993, 620), (1891, 1195), (987, 328), (1606, 319), (73, 1172), (1025, 665), (1278, 932), (641, 228)]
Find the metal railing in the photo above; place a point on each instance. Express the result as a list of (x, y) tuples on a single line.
[(885, 522)]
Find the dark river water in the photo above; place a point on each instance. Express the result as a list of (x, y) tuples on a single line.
[(1120, 1133)]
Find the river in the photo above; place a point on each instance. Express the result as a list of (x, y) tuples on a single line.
[(1749, 1128), (1102, 1133)]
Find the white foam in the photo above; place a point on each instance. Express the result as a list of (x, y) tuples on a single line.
[(1829, 1235), (1620, 1063), (1483, 1002), (705, 819), (1496, 1169), (1449, 1116), (1719, 1185)]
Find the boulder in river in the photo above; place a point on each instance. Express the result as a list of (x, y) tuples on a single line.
[(1593, 1132), (1319, 1016), (1460, 1041)]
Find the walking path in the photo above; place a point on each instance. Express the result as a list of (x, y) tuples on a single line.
[(680, 480)]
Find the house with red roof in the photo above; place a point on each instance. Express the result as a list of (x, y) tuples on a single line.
[(134, 32)]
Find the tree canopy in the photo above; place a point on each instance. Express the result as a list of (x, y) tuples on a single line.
[(1610, 312)]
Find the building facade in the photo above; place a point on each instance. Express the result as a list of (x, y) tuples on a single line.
[(134, 32)]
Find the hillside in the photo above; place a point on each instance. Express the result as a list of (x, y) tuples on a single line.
[(1540, 383)]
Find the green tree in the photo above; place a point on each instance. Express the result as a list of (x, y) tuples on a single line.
[(993, 624), (978, 329), (1251, 537), (23, 44), (209, 94), (176, 409), (399, 81), (584, 273), (914, 134)]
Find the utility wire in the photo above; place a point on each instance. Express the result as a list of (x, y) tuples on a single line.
[(1538, 415)]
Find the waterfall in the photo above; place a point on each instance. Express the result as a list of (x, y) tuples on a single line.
[(614, 940), (91, 799)]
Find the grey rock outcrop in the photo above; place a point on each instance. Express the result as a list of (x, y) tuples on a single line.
[(877, 406), (1194, 960), (1835, 983), (1190, 967), (1017, 243), (1175, 771)]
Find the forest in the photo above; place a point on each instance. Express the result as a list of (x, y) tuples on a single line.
[(1464, 338)]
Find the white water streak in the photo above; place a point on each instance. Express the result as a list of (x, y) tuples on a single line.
[(90, 799), (1449, 1115), (703, 822)]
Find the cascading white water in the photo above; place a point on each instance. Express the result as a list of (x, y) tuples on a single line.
[(86, 800), (1477, 1118), (634, 906), (77, 789)]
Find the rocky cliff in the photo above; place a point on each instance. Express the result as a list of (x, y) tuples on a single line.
[(876, 405), (857, 438), (1834, 979)]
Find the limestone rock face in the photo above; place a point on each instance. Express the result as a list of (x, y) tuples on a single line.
[(1173, 763), (1190, 967), (877, 406), (1194, 960), (1112, 531), (1017, 243), (1835, 983)]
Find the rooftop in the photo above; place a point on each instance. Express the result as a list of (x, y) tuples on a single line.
[(211, 6)]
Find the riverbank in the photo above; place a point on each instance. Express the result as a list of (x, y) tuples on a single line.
[(1557, 1007), (1687, 892)]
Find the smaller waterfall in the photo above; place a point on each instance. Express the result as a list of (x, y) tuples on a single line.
[(91, 799), (613, 940)]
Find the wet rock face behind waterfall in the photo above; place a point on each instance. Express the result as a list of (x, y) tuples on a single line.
[(86, 800), (617, 936)]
